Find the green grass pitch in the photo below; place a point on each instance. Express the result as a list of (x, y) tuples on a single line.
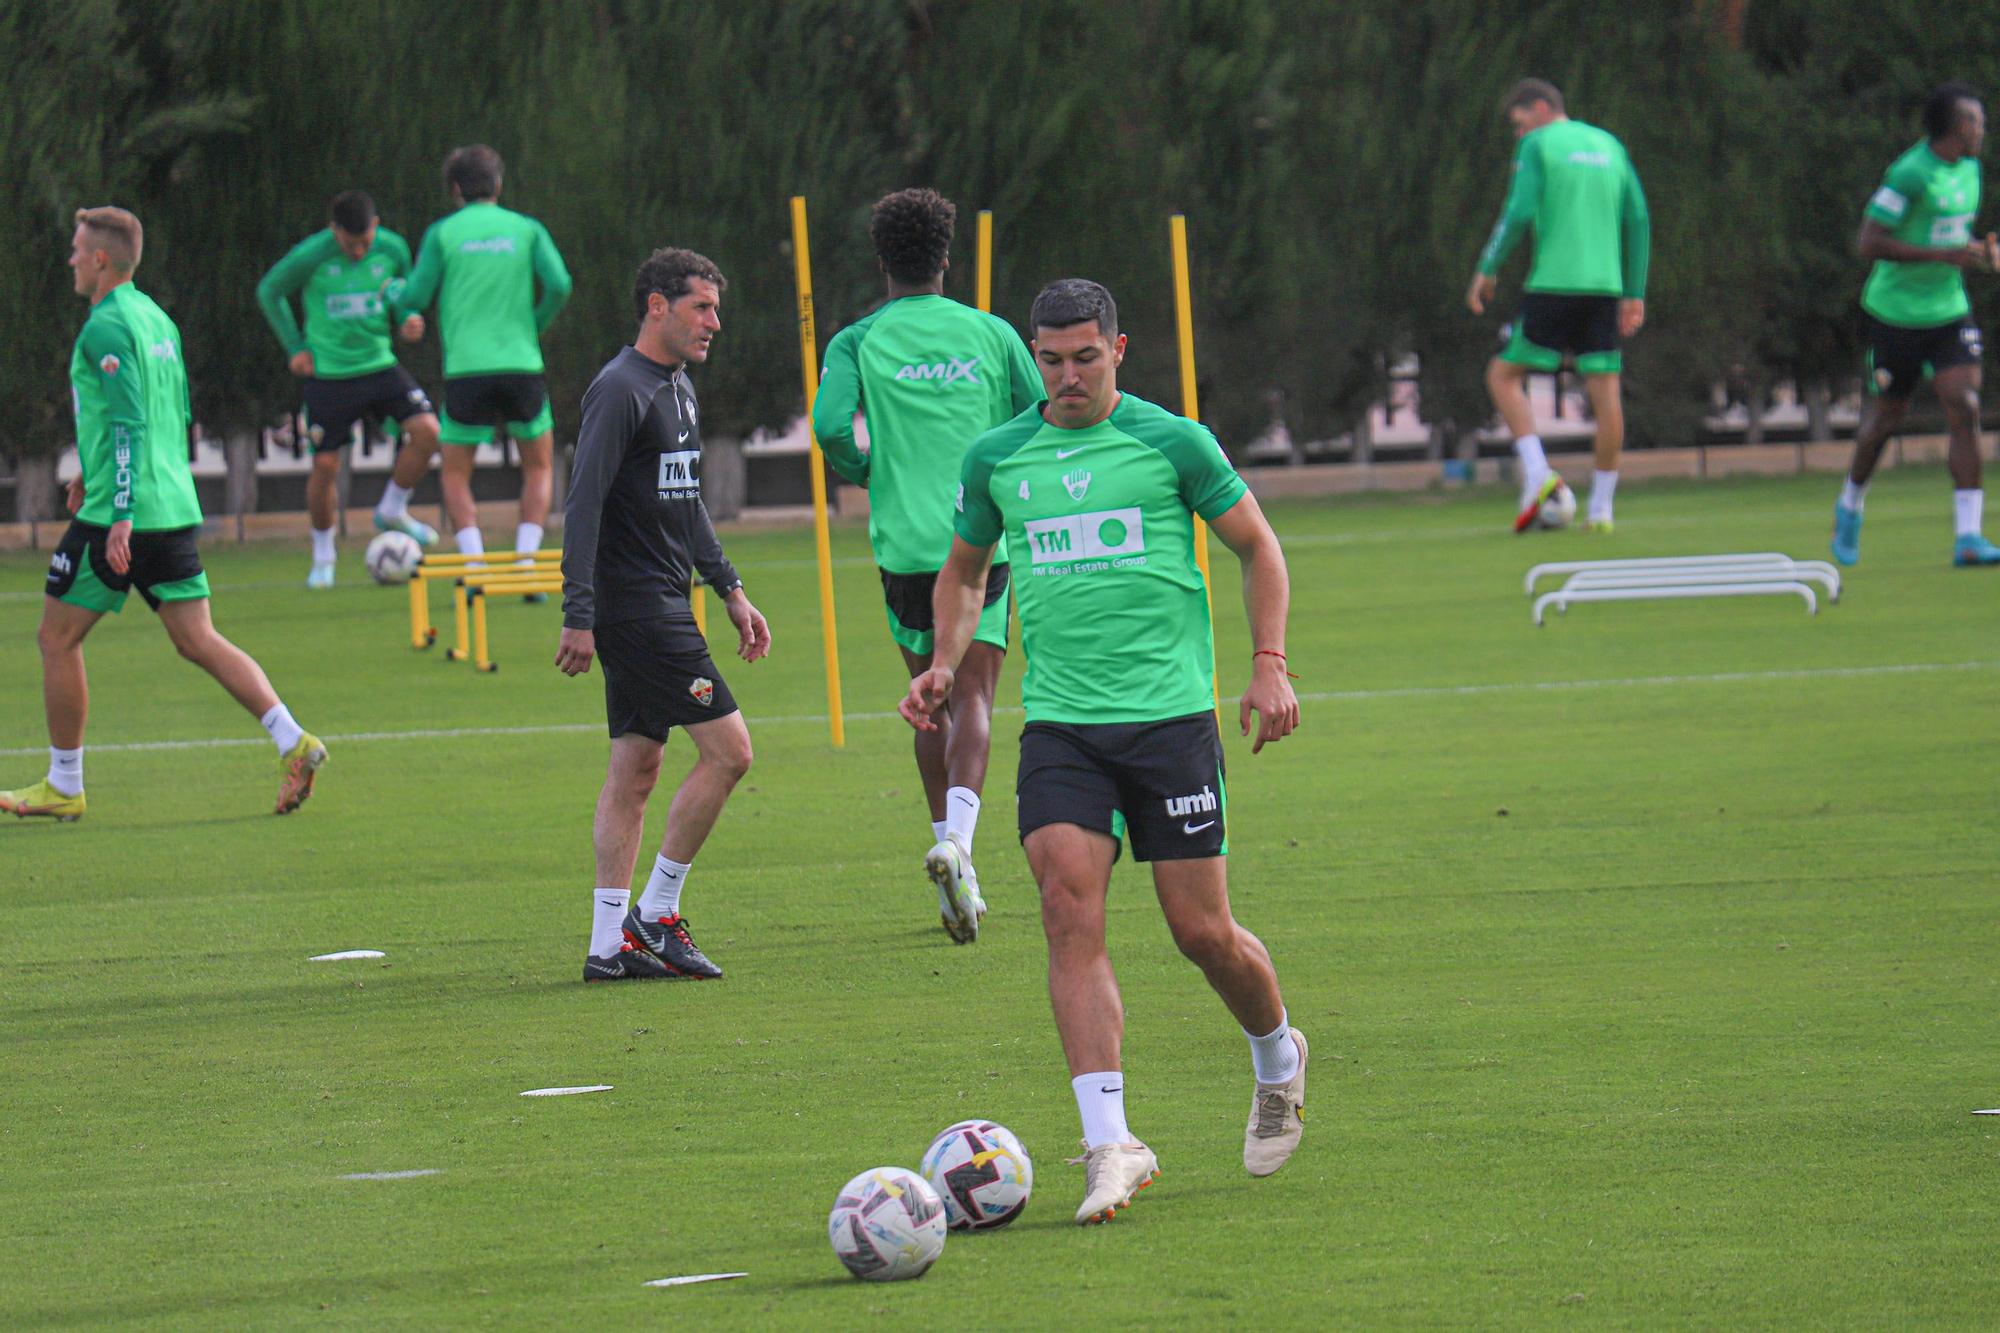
[(1648, 961)]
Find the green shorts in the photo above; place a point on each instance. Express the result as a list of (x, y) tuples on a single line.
[(475, 404), (908, 598), (166, 567)]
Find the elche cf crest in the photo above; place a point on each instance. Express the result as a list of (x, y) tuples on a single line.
[(703, 690)]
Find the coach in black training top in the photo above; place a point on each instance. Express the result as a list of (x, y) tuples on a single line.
[(634, 530)]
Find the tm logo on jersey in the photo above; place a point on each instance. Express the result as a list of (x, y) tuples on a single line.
[(951, 370), (1202, 802), (680, 476), (1101, 538)]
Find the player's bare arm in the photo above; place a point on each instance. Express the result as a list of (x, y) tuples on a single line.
[(1480, 294), (753, 634), (575, 650), (1267, 595), (955, 606)]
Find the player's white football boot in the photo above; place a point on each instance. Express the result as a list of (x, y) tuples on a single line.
[(321, 575), (959, 905), (424, 533), (1277, 1119), (1112, 1174)]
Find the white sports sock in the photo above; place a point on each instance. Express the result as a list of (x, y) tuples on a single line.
[(1534, 463), (66, 770), (607, 921), (938, 828), (662, 897), (528, 538), (1603, 485), (284, 731), (1969, 507), (323, 550), (1275, 1056), (395, 501), (1100, 1099), (470, 542), (961, 815), (1852, 496)]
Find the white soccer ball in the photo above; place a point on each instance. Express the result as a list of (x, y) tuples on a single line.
[(1558, 509), (391, 557), (982, 1173), (887, 1225)]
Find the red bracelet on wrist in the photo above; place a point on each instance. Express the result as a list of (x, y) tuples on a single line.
[(1273, 652)]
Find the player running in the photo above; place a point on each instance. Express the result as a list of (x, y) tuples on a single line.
[(635, 526), (135, 524), (349, 368), (481, 265), (1098, 489), (1918, 230), (929, 374), (1586, 292)]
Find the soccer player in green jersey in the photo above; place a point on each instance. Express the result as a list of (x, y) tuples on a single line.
[(349, 368), (1918, 231), (481, 265), (1586, 292), (1098, 490), (135, 524), (929, 374)]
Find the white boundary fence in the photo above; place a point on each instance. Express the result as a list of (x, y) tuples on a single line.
[(1762, 573)]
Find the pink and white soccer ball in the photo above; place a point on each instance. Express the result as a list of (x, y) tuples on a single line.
[(392, 556), (887, 1225), (982, 1173)]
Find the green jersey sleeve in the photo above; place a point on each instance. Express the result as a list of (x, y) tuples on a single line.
[(108, 346), (398, 250), (1901, 184), (554, 276), (1209, 486), (838, 400), (977, 519), (1022, 375), (414, 294), (284, 281), (1636, 225), (1524, 200)]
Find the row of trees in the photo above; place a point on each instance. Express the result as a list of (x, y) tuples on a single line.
[(1339, 165)]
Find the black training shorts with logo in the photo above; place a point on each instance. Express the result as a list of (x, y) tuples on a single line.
[(657, 676), (1899, 358), (165, 567), (1161, 782), (333, 406)]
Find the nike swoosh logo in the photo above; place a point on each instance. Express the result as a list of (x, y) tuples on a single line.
[(602, 903), (1119, 1088), (1196, 828), (1065, 453)]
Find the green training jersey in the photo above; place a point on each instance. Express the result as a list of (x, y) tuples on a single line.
[(347, 323), (1114, 615), (1924, 200), (481, 264), (1574, 185), (131, 395), (930, 375)]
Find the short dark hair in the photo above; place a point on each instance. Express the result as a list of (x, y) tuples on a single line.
[(912, 230), (669, 272), (1069, 301), (352, 211), (1941, 107), (1529, 91), (475, 169)]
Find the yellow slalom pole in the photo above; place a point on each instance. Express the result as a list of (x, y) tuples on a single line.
[(1190, 403), (822, 539), (984, 286)]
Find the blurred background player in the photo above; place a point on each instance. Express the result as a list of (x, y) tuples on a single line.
[(1098, 490), (1586, 291), (1918, 230), (635, 528), (481, 265), (135, 524), (929, 375), (346, 359)]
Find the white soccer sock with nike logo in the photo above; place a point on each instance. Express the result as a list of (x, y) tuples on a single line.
[(607, 921), (1275, 1056), (961, 815), (662, 897), (1100, 1099)]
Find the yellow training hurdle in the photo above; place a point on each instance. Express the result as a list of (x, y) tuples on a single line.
[(473, 587), (422, 633)]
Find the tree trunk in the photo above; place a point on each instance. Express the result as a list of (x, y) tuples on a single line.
[(37, 498), (1756, 401), (723, 478), (240, 495), (1819, 412)]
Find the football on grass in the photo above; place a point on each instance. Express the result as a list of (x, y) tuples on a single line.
[(391, 557), (887, 1225), (982, 1173)]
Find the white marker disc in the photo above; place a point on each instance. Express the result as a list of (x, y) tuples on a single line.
[(698, 1277), (392, 1175), (567, 1092), (344, 955)]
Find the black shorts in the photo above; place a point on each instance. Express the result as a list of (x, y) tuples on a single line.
[(1899, 358), (475, 404), (909, 596), (166, 567), (657, 676), (1162, 781), (1553, 325), (333, 406)]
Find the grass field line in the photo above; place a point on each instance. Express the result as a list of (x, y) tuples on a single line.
[(1322, 696)]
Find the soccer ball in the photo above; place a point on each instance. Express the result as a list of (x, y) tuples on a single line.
[(391, 557), (887, 1225), (982, 1173), (1558, 509)]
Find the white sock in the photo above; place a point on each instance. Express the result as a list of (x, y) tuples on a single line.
[(283, 730), (323, 545), (66, 770), (1970, 507), (938, 828), (1603, 485), (470, 542), (662, 897), (1852, 496), (528, 538), (395, 501), (1534, 463), (607, 921), (961, 815), (1274, 1055), (1100, 1099)]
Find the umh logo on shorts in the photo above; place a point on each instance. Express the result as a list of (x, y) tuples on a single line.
[(703, 690), (1202, 802)]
